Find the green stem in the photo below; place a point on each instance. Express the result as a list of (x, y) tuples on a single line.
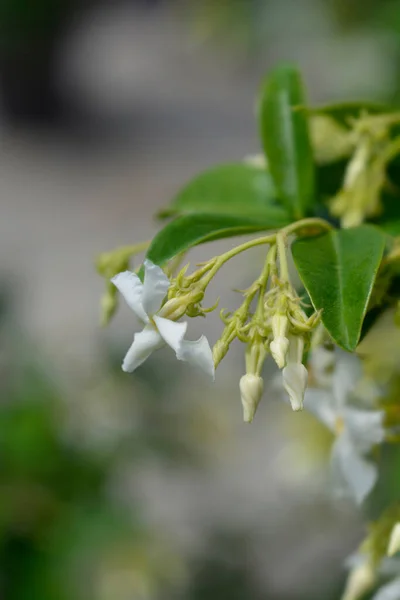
[(283, 264), (269, 239)]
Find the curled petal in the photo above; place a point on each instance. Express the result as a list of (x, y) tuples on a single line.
[(352, 474), (199, 354), (155, 287), (130, 286), (171, 332), (295, 378), (144, 343)]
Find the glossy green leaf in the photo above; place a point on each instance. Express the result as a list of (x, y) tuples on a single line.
[(338, 270), (286, 140), (189, 230), (233, 189)]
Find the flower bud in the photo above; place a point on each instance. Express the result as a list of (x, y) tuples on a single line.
[(295, 377), (251, 390), (359, 582), (394, 541), (280, 344), (279, 348)]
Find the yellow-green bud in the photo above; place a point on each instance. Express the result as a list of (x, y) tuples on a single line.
[(255, 355), (394, 541), (251, 390), (359, 582)]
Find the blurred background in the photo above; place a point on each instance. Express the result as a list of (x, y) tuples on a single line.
[(117, 487)]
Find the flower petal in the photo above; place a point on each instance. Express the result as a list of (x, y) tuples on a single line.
[(352, 475), (171, 332), (199, 354), (155, 287), (295, 378), (322, 405), (144, 343), (365, 428), (390, 591), (346, 375), (130, 286)]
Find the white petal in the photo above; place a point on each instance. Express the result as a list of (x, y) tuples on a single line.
[(171, 332), (295, 378), (199, 354), (322, 405), (352, 475), (346, 375), (155, 287), (390, 591), (144, 343), (130, 286), (365, 428)]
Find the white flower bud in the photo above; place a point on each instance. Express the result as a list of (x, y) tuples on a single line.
[(251, 390), (280, 344), (279, 348), (360, 581), (394, 542), (295, 377)]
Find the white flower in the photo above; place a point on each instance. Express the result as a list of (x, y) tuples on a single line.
[(145, 299), (295, 375), (357, 429), (251, 390), (394, 541), (390, 591)]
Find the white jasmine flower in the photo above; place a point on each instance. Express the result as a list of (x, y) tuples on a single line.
[(394, 541), (295, 375), (357, 429), (390, 591), (251, 390), (145, 299)]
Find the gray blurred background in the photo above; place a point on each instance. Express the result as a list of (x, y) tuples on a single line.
[(117, 487)]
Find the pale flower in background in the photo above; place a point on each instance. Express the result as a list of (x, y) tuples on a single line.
[(145, 299), (390, 591), (357, 430)]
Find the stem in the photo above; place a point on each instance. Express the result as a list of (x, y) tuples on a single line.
[(283, 265), (263, 279), (269, 239)]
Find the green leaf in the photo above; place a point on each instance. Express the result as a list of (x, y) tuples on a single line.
[(233, 189), (338, 270), (189, 230), (286, 140)]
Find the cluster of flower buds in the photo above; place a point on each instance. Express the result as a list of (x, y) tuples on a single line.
[(291, 330), (365, 176)]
